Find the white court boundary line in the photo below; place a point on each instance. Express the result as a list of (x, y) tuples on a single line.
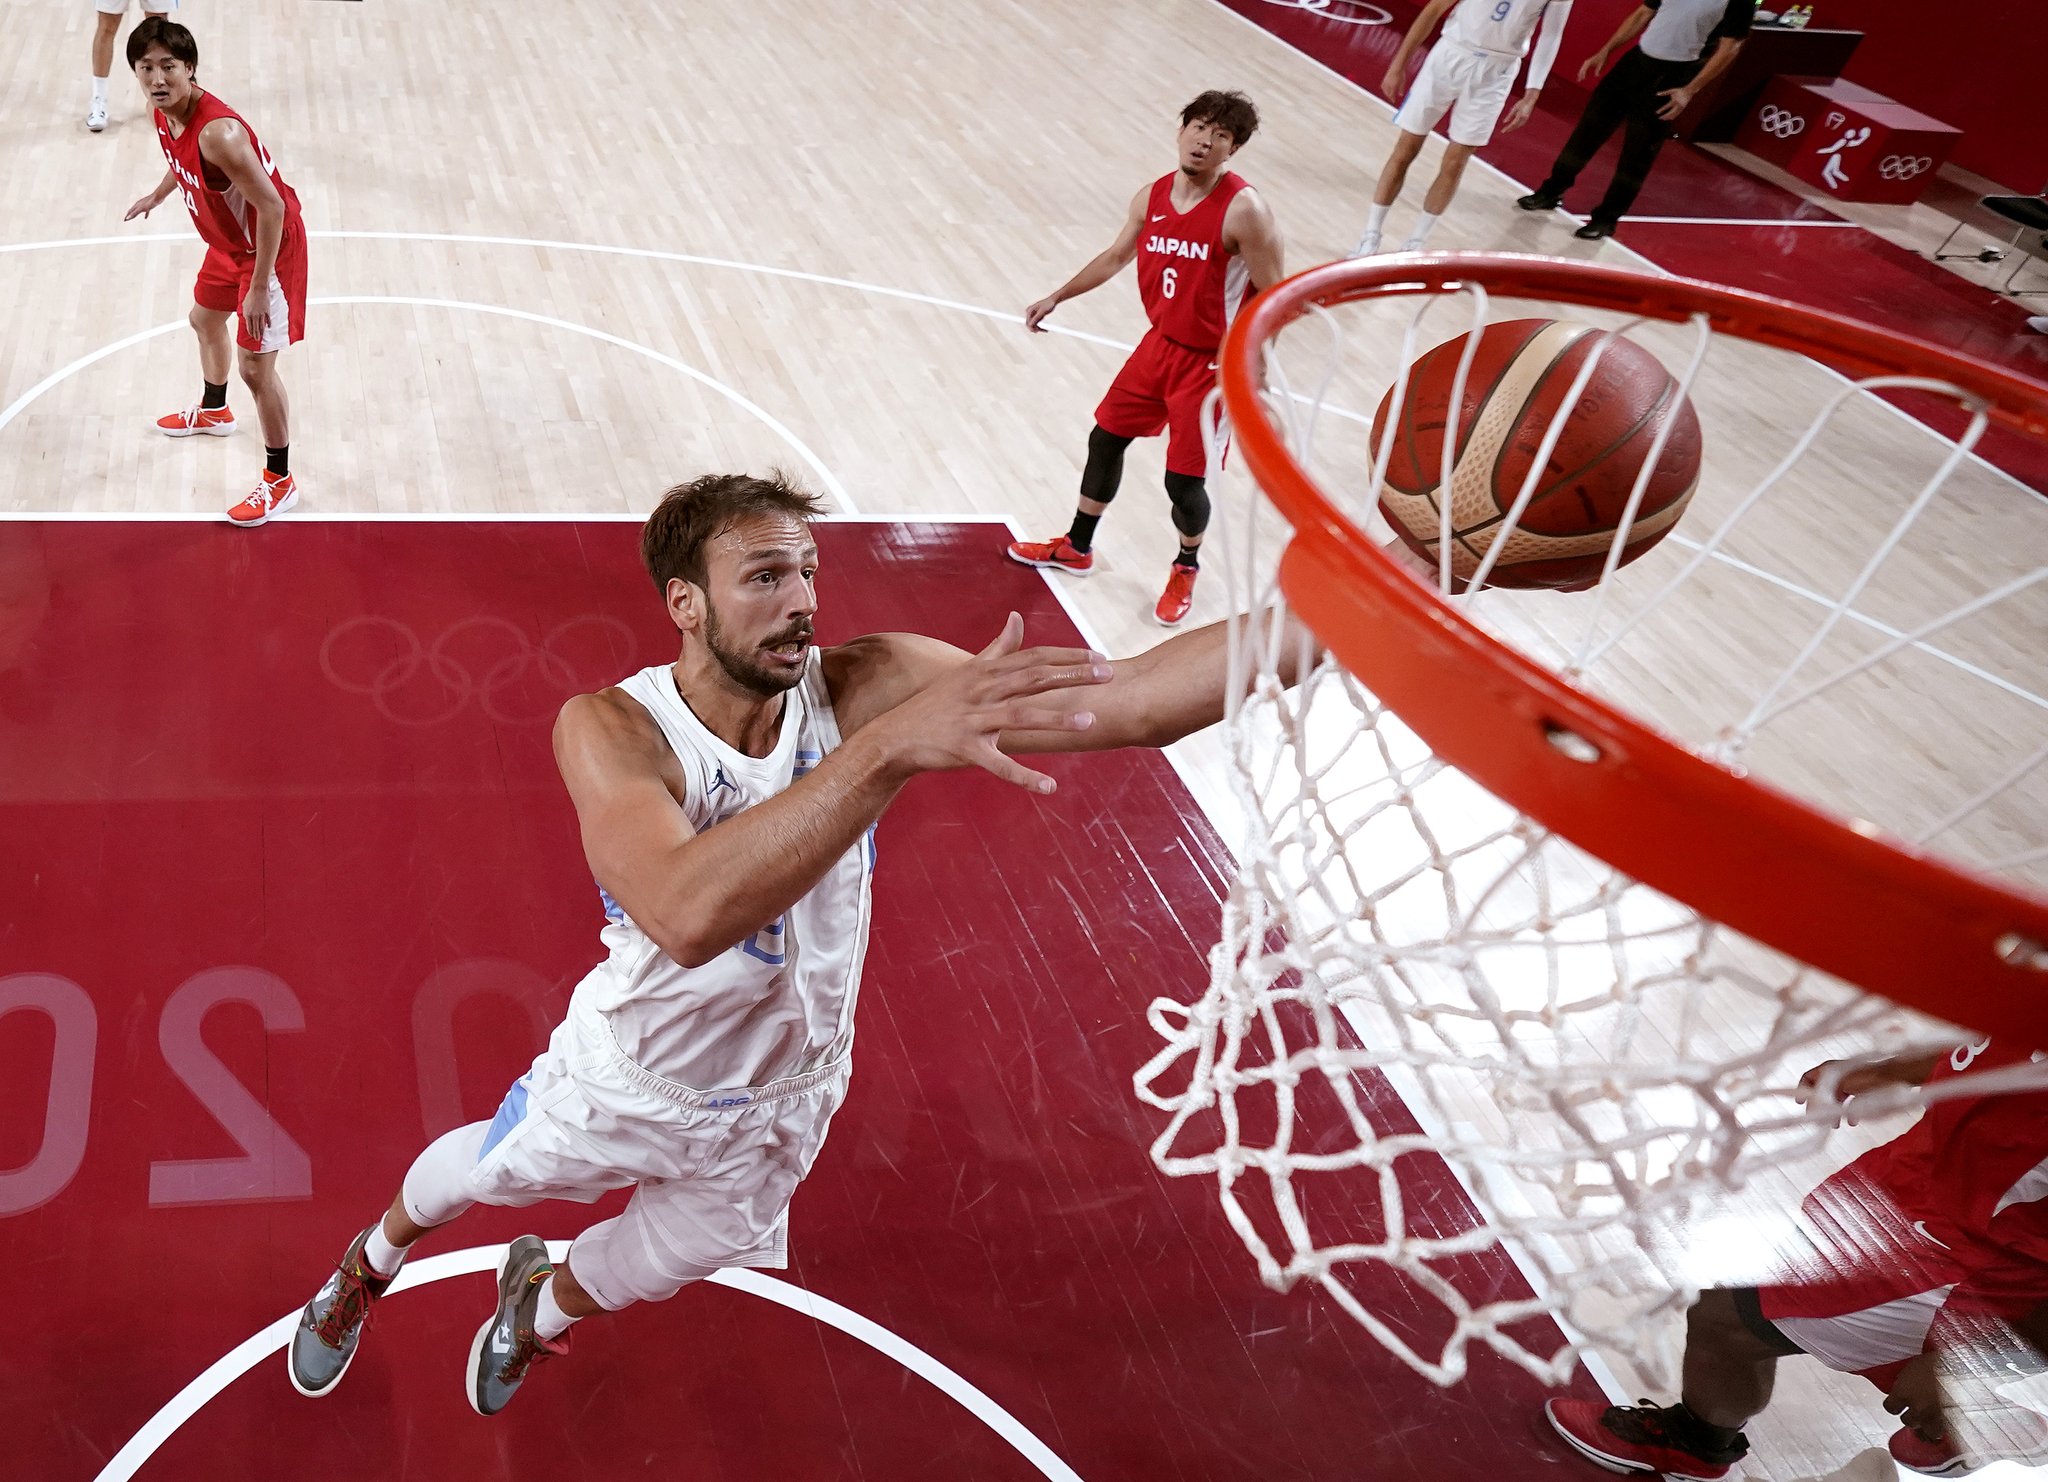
[(832, 485), (1735, 221), (838, 491), (253, 1350)]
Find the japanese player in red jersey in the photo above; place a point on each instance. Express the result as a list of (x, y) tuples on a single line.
[(1204, 242)]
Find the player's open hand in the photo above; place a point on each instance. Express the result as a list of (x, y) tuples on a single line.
[(1395, 83), (143, 207), (256, 312), (1525, 106), (1034, 317), (1593, 66), (956, 720), (1916, 1398)]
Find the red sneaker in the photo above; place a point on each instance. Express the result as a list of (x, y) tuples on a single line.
[(193, 421), (1641, 1438), (1933, 1458), (271, 496), (1057, 554), (1178, 597)]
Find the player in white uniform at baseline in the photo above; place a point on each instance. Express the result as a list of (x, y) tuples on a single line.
[(701, 1061), (1469, 74), (107, 25)]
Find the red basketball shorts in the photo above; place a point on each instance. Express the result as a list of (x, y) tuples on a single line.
[(1161, 387), (1862, 1301), (224, 282)]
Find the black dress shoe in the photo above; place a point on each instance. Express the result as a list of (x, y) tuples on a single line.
[(1593, 231), (1536, 200)]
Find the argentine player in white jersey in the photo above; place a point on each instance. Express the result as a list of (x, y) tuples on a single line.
[(1469, 74), (727, 803)]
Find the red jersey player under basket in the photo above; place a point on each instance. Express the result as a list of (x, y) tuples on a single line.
[(255, 252), (1204, 242)]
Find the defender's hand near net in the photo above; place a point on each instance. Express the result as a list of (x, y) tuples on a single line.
[(955, 720), (1858, 1079)]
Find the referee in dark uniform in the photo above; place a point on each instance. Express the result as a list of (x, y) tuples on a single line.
[(1651, 86)]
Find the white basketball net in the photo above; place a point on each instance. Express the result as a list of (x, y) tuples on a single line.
[(1599, 1066)]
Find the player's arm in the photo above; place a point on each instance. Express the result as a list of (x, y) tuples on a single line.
[(155, 198), (1549, 37), (1100, 268), (1631, 27), (1250, 231), (225, 145), (696, 895), (1677, 99), (1419, 31), (1151, 699)]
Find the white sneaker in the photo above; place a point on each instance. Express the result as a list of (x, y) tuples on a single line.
[(2038, 324), (1413, 244), (96, 116), (1368, 245)]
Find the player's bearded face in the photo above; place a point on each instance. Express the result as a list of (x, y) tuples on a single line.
[(760, 632)]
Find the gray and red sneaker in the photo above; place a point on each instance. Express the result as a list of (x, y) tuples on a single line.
[(324, 1342), (1057, 554), (1643, 1438), (507, 1346)]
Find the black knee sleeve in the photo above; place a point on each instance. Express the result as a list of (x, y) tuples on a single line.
[(1190, 498), (1105, 468)]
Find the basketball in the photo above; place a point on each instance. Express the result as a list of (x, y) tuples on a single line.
[(1520, 376)]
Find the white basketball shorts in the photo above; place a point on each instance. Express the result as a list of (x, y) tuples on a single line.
[(153, 7), (712, 1171), (1472, 85)]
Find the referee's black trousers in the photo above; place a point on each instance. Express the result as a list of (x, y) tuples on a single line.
[(1628, 97)]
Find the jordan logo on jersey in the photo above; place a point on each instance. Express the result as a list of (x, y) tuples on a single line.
[(718, 780), (1175, 247)]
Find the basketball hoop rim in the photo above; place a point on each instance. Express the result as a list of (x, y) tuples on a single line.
[(1835, 893)]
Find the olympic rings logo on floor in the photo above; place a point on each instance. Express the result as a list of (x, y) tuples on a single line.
[(483, 659), (1345, 12), (1780, 123), (1904, 166)]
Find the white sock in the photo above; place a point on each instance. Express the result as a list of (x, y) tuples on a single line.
[(381, 1255), (99, 90), (1424, 225), (550, 1321), (1376, 219)]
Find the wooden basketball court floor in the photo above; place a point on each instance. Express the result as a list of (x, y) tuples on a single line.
[(562, 257)]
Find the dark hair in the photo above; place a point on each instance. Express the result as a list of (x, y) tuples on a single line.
[(673, 539), (161, 31), (1231, 111)]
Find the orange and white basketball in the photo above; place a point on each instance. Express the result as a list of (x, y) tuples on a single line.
[(1519, 378)]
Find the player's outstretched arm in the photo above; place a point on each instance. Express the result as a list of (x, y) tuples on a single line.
[(1100, 268), (696, 895), (1151, 699)]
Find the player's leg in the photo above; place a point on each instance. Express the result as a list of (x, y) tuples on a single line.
[(1442, 191), (1607, 109), (1133, 407), (106, 24), (284, 324), (1436, 87), (1187, 464), (436, 1190), (216, 297), (1484, 85), (1393, 175)]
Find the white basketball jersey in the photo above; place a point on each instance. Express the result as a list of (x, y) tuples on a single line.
[(1495, 25), (781, 1002)]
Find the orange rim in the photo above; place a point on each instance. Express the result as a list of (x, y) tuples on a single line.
[(1874, 911)]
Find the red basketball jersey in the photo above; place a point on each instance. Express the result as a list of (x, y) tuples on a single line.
[(1974, 1171), (224, 218), (1191, 284)]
